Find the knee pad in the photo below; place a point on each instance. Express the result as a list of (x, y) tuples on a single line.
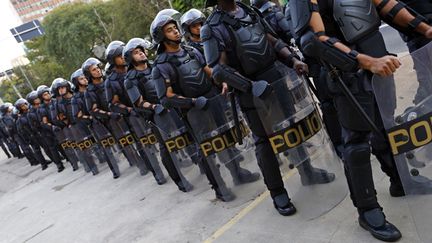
[(357, 159)]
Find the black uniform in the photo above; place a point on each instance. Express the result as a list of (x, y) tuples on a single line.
[(30, 144), (96, 95), (48, 133), (114, 86), (240, 35)]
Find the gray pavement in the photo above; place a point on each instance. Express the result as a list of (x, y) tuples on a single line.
[(45, 206)]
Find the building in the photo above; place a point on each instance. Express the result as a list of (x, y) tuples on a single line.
[(29, 10)]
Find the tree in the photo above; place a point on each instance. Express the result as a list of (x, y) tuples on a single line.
[(72, 30)]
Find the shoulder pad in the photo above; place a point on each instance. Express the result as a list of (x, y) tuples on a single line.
[(279, 15), (131, 74), (206, 32), (113, 76), (161, 58), (214, 18), (128, 83), (90, 87)]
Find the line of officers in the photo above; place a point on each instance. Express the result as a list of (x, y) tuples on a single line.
[(96, 113)]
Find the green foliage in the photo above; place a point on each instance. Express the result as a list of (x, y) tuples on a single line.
[(72, 30), (184, 5)]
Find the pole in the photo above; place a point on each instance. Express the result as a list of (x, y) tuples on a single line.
[(13, 85), (26, 78)]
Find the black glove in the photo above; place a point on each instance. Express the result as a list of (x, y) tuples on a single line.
[(261, 89), (56, 129), (115, 116), (158, 109), (201, 103)]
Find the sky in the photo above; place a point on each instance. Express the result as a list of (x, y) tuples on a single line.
[(9, 48)]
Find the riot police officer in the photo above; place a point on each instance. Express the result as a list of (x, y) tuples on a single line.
[(118, 99), (142, 93), (29, 144), (238, 58), (7, 129), (274, 16), (325, 34), (184, 81), (98, 106), (62, 131), (78, 132), (47, 128), (4, 138), (83, 117), (191, 23)]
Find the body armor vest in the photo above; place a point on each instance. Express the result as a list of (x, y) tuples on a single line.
[(65, 107), (146, 86), (115, 86), (252, 48), (100, 95), (192, 80)]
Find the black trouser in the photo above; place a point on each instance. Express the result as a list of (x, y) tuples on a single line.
[(329, 113), (210, 168), (14, 147), (51, 146), (3, 146), (359, 139), (267, 160), (140, 160)]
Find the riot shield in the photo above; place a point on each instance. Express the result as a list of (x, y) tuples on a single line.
[(126, 140), (408, 123), (315, 175), (67, 143), (182, 149), (227, 146), (146, 142), (106, 142), (85, 144)]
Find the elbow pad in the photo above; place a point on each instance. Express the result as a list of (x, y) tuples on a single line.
[(223, 73), (99, 115), (176, 102), (326, 52)]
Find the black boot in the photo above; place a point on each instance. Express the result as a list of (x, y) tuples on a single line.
[(311, 176), (160, 178), (375, 222), (184, 186), (224, 194), (60, 167), (245, 176), (396, 189), (283, 205)]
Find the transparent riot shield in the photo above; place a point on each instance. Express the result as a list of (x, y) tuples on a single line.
[(228, 147), (315, 175), (182, 149), (405, 104), (67, 143), (85, 146), (126, 140), (106, 143), (146, 141)]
